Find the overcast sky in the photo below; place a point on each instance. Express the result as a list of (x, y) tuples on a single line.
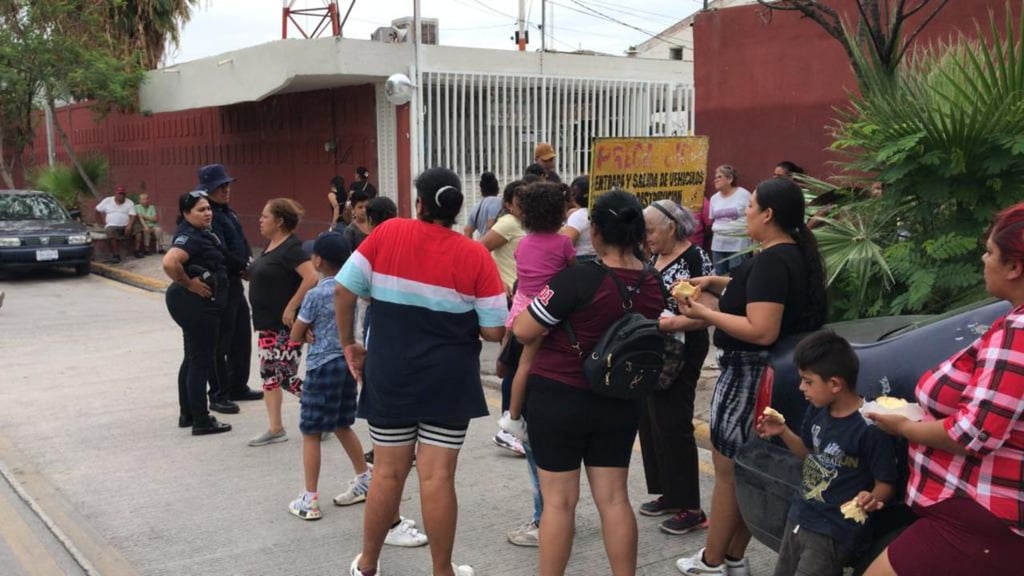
[(222, 25)]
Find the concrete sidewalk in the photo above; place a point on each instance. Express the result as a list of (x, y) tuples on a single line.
[(87, 426)]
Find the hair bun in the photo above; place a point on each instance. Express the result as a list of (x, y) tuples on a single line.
[(629, 214)]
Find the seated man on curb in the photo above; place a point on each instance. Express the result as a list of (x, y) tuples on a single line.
[(146, 231), (117, 216)]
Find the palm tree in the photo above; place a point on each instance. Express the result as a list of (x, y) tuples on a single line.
[(148, 27)]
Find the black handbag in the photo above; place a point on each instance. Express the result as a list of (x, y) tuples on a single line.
[(628, 358)]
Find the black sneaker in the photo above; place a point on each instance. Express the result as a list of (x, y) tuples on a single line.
[(657, 508), (684, 522)]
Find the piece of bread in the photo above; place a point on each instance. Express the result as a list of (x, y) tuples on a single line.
[(890, 402), (769, 411), (852, 511), (684, 289)]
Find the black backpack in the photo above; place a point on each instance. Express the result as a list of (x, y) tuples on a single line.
[(627, 359)]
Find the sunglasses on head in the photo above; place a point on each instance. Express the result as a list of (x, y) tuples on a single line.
[(198, 194)]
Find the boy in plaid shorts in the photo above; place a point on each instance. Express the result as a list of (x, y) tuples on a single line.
[(329, 392)]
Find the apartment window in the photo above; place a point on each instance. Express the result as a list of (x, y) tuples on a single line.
[(675, 53)]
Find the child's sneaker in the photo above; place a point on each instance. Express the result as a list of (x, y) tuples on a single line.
[(357, 490), (306, 508), (464, 570), (405, 535), (684, 522), (695, 566), (515, 427), (509, 442)]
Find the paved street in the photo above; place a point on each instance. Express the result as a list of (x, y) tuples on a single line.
[(87, 428)]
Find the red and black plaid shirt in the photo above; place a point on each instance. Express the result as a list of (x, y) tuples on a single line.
[(979, 397)]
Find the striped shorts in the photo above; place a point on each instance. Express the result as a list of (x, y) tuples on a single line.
[(732, 405), (445, 435)]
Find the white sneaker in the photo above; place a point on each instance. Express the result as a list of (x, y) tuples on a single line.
[(509, 442), (515, 427), (695, 566), (353, 569), (526, 535), (405, 535), (464, 570), (306, 509), (358, 488)]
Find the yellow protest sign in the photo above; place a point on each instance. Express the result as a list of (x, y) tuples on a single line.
[(651, 168)]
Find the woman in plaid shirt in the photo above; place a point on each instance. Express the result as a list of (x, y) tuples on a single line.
[(967, 454)]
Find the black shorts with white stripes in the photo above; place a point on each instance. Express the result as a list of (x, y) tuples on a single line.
[(444, 434)]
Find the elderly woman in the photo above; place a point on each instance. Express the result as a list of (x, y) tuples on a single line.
[(778, 292), (729, 239), (195, 263), (666, 423), (278, 281), (967, 453)]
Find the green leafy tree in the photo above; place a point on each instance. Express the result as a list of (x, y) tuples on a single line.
[(66, 50), (946, 136)]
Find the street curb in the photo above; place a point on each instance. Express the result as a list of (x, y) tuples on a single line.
[(701, 431), (137, 280)]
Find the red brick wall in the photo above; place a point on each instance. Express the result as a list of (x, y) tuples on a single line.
[(768, 83), (274, 147)]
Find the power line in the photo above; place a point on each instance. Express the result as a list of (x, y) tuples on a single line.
[(635, 12), (495, 10), (588, 11)]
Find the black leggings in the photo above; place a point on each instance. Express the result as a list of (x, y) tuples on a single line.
[(669, 449), (199, 320)]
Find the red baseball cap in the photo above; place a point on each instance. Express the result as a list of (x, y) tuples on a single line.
[(120, 189)]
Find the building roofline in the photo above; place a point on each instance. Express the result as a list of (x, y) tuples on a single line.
[(297, 65)]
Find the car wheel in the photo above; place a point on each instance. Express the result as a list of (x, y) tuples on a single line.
[(83, 269)]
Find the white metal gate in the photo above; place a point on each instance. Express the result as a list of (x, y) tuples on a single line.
[(475, 122)]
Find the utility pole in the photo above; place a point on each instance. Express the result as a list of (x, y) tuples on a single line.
[(543, 26), (521, 35)]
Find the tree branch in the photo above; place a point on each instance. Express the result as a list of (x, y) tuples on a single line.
[(913, 35)]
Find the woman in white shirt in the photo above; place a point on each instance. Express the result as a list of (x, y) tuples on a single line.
[(577, 226), (728, 222)]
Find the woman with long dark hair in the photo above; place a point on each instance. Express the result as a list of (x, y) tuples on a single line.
[(778, 292)]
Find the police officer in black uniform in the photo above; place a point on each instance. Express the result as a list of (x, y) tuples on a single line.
[(234, 347), (195, 263)]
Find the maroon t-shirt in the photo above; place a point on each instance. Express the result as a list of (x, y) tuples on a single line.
[(589, 299)]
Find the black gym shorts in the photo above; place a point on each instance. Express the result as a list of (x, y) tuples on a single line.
[(570, 425)]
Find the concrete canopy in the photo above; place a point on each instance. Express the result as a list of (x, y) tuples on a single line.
[(297, 65)]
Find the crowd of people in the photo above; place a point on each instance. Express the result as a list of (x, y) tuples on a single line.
[(392, 312)]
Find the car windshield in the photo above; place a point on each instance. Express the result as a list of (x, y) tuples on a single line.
[(30, 207)]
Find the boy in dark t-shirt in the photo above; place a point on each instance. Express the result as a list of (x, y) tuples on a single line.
[(846, 460)]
